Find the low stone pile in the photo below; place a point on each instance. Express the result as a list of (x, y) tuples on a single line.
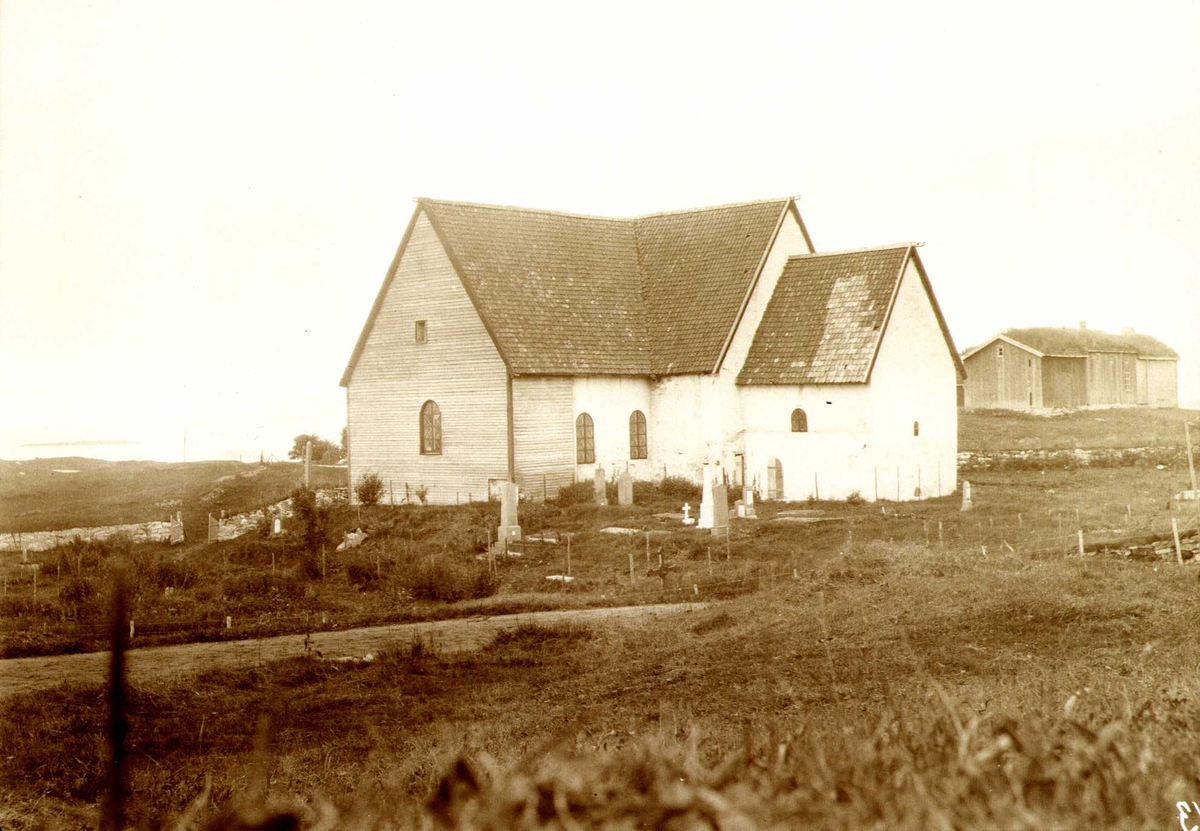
[(969, 460), (1164, 549), (45, 540)]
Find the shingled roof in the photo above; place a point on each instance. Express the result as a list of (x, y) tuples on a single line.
[(1066, 342), (566, 294), (826, 318)]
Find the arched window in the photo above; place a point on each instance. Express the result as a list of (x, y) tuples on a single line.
[(585, 440), (916, 428), (431, 429), (637, 435), (799, 421)]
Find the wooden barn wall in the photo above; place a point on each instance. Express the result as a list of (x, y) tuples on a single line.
[(458, 368), (1111, 378), (1064, 382), (1011, 381), (544, 434), (1162, 383)]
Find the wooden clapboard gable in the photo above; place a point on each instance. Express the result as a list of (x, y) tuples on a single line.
[(457, 366)]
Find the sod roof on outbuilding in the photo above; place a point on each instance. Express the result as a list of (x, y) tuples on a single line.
[(1067, 342)]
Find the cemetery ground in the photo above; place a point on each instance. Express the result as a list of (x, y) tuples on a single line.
[(895, 684), (429, 563), (853, 672)]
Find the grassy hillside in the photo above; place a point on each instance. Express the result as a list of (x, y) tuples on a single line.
[(896, 687), (34, 496), (989, 430)]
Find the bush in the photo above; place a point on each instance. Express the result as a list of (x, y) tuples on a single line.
[(312, 518), (680, 488), (575, 494), (78, 597), (449, 582), (855, 498), (369, 489)]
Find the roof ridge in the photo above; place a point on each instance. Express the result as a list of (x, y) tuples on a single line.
[(520, 209), (892, 247), (776, 201), (574, 215)]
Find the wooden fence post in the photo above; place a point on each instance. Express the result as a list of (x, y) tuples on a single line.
[(1080, 542)]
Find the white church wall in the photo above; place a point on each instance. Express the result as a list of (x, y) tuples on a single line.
[(914, 381), (610, 400)]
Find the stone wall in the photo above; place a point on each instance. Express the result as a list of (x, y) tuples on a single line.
[(230, 527)]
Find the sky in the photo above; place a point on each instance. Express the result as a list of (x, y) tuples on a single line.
[(199, 200)]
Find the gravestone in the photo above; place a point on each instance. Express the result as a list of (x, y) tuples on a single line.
[(688, 519), (277, 526), (177, 528), (706, 500), (214, 529), (748, 502), (510, 528), (601, 485), (624, 488), (307, 462), (720, 510), (967, 503)]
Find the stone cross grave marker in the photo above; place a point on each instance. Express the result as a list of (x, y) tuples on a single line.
[(720, 510), (624, 488), (510, 528), (687, 514), (706, 500), (601, 485)]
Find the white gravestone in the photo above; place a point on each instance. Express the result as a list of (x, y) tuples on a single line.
[(510, 528), (601, 487), (748, 502), (624, 488), (967, 503)]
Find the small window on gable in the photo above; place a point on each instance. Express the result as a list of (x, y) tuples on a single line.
[(799, 421), (916, 428), (585, 440), (1000, 351), (637, 435), (431, 429), (422, 331)]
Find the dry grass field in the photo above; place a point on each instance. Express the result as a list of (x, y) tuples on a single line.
[(854, 673)]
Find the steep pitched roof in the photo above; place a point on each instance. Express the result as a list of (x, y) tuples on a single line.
[(1077, 343), (568, 294), (560, 293), (827, 317), (697, 269)]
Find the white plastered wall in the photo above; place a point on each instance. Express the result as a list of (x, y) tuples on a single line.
[(914, 381), (610, 400), (860, 436)]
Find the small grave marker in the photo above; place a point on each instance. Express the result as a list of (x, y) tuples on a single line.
[(624, 488), (600, 485), (510, 528)]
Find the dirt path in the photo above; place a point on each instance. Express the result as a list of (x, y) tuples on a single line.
[(167, 663)]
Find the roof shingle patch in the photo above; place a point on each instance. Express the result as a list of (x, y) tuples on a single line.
[(824, 320)]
